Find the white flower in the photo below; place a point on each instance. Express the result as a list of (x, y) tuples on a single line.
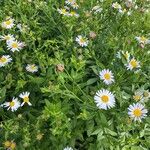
[(68, 148), (116, 5), (7, 38), (15, 45), (4, 60), (70, 2), (25, 97), (142, 40), (107, 76), (82, 41), (75, 5), (63, 11), (126, 54), (73, 13), (13, 105), (132, 64), (137, 111), (138, 95), (97, 9), (8, 23), (104, 99), (32, 68)]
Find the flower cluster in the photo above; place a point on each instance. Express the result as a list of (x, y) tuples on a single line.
[(66, 11), (14, 104), (13, 44)]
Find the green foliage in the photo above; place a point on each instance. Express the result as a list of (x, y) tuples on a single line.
[(63, 111)]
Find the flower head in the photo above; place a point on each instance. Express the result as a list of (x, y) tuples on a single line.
[(107, 76), (132, 64), (7, 38), (63, 11), (32, 68), (82, 41), (68, 148), (4, 60), (137, 112), (15, 45), (70, 2), (142, 40), (13, 105), (138, 95), (116, 5), (25, 97), (104, 99), (8, 23)]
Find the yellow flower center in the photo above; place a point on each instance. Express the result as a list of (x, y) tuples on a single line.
[(107, 76), (7, 144), (73, 13), (12, 104), (63, 11), (137, 112), (15, 45), (133, 63), (26, 99), (143, 39), (137, 97), (3, 60), (82, 40), (105, 98), (33, 67), (13, 145), (8, 22)]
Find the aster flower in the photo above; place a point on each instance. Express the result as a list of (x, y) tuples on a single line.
[(107, 76), (142, 40), (73, 13), (137, 112), (7, 38), (132, 64), (104, 99), (13, 105), (25, 97), (63, 11), (4, 60), (116, 5), (82, 41), (32, 68), (8, 23), (68, 148), (15, 45)]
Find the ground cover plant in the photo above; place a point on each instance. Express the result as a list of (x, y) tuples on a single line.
[(74, 74)]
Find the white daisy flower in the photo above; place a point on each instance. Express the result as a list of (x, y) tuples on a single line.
[(137, 112), (13, 105), (126, 54), (132, 64), (138, 95), (68, 148), (32, 68), (146, 94), (70, 2), (25, 97), (97, 9), (142, 40), (4, 60), (107, 76), (7, 38), (15, 45), (104, 99), (82, 41), (75, 5), (8, 23), (63, 11), (116, 5), (73, 13)]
